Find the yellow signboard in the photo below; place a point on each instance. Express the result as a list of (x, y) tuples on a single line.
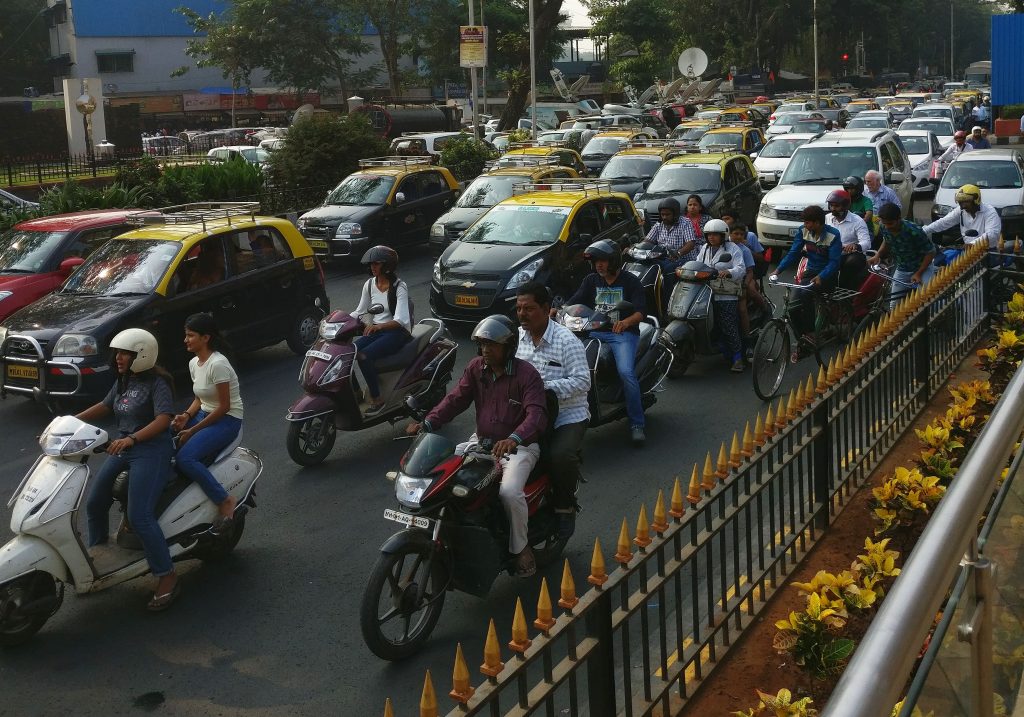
[(472, 46)]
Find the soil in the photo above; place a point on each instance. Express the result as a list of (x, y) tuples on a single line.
[(753, 664)]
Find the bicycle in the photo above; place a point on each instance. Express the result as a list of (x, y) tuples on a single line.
[(833, 327)]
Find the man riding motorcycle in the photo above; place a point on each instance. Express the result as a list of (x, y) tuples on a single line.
[(510, 410), (679, 238), (954, 150), (602, 290), (970, 213)]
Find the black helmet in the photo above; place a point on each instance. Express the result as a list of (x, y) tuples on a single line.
[(499, 329), (672, 204), (604, 249), (854, 185), (384, 254)]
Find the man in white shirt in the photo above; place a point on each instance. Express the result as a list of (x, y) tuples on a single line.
[(561, 361), (954, 150), (852, 229), (969, 214)]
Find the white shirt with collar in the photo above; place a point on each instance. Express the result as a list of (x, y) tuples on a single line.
[(561, 361), (852, 229), (986, 222)]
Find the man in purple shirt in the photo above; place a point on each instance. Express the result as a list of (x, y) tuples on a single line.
[(511, 410)]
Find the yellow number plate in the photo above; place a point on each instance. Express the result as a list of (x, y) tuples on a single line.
[(464, 300), (15, 371), (318, 244)]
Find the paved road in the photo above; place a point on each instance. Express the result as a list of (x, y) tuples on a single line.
[(274, 630)]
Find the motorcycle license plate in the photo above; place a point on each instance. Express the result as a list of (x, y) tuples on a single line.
[(466, 300), (317, 244), (318, 355), (411, 521)]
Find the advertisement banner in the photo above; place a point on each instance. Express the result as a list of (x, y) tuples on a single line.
[(196, 102), (472, 46)]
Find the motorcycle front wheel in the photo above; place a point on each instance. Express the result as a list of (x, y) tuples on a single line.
[(310, 442), (402, 601)]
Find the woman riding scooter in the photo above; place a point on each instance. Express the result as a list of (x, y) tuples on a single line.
[(141, 402)]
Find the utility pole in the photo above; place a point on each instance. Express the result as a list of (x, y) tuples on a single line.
[(487, 40), (817, 97), (472, 75), (951, 70), (533, 75)]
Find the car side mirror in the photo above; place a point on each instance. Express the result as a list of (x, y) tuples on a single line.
[(584, 238), (70, 264), (399, 197), (895, 178), (376, 309), (753, 155)]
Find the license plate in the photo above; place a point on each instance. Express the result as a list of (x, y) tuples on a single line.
[(318, 355), (466, 300), (407, 520), (317, 244), (14, 371), (793, 231)]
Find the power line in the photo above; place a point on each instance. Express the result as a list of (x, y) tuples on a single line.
[(23, 32)]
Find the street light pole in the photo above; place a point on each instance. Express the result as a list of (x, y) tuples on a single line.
[(533, 76), (472, 76), (483, 71), (951, 77), (817, 100)]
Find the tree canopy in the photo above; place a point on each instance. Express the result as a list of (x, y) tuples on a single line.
[(24, 47)]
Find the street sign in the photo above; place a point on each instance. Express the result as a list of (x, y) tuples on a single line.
[(472, 46), (457, 91)]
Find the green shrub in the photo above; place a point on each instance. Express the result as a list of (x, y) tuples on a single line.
[(219, 182), (74, 197), (142, 172), (1011, 111), (465, 157), (323, 150), (9, 219)]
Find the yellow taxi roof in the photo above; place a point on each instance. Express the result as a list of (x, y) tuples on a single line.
[(543, 150), (702, 158), (654, 151), (528, 170), (191, 233), (616, 133)]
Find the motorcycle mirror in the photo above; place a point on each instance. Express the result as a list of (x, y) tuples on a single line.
[(725, 258), (376, 309)]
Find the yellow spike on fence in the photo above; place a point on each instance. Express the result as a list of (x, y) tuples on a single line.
[(1001, 246), (388, 711), (693, 494), (643, 530), (461, 689), (747, 449), (567, 599), (801, 398), (492, 653), (598, 576), (623, 551), (545, 621), (769, 421), (758, 430), (809, 390), (678, 507), (780, 415), (520, 640), (735, 457), (428, 700), (660, 523), (822, 384), (722, 471), (791, 409), (708, 477), (830, 373)]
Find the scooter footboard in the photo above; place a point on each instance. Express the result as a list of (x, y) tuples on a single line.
[(24, 554)]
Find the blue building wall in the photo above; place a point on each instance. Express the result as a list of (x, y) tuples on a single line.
[(1008, 59), (137, 18)]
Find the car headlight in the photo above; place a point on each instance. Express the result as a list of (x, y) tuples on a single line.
[(941, 210), (437, 230), (348, 229), (301, 225), (1014, 210), (638, 196), (5, 294), (767, 211), (437, 271), (525, 274), (409, 491), (3, 334), (926, 164), (76, 345)]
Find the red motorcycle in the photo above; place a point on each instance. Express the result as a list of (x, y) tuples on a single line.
[(333, 401), (456, 538)]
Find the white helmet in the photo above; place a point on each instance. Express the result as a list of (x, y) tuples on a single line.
[(142, 344), (717, 226)]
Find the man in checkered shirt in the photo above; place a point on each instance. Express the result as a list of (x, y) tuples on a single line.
[(560, 359), (678, 237)]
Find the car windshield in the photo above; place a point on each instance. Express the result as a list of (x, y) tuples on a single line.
[(689, 134), (931, 112), (126, 267), (519, 225), (255, 155), (548, 137), (686, 179), (630, 167), (603, 146), (828, 165), (861, 122), (487, 190), (915, 144), (995, 174), (728, 139), (26, 252), (789, 107), (708, 114), (782, 147), (790, 119), (364, 189), (810, 127), (941, 129)]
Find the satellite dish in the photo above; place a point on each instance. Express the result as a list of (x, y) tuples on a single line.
[(689, 91), (692, 62), (670, 91), (303, 112), (579, 84), (559, 80), (648, 94)]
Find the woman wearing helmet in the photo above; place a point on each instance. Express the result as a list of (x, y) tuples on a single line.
[(387, 331), (511, 410), (970, 213), (716, 233), (141, 402)]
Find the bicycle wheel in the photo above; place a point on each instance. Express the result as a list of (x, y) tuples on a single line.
[(834, 327), (771, 356)]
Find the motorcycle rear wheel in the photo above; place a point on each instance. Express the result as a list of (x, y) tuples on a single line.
[(310, 442), (390, 597), (17, 628)]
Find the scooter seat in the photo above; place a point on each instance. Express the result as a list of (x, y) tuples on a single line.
[(403, 358)]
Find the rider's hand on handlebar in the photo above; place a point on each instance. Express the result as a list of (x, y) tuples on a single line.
[(413, 428), (773, 278), (816, 281), (119, 446), (504, 447)]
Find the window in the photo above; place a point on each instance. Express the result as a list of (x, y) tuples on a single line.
[(58, 14), (88, 242), (411, 188), (587, 222), (115, 61), (613, 212), (743, 170), (257, 248), (432, 183), (202, 267)]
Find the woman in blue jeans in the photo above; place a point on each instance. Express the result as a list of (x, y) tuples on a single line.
[(141, 402), (214, 418), (387, 331)]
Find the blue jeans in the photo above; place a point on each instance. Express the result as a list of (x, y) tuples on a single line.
[(624, 350), (150, 465), (898, 291), (375, 346), (205, 444)]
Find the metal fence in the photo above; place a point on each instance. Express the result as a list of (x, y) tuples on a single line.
[(644, 637), (42, 169)]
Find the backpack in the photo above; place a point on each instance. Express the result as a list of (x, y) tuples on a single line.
[(393, 298)]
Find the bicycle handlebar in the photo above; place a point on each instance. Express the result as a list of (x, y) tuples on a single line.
[(774, 281), (875, 269)]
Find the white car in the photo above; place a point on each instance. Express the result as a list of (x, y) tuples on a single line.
[(773, 158), (871, 119), (923, 147), (252, 155), (10, 202), (941, 127), (787, 107), (999, 173), (934, 109), (789, 121)]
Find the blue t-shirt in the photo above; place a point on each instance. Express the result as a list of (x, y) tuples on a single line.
[(754, 244), (143, 399), (748, 256)]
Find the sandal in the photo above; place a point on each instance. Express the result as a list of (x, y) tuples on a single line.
[(525, 564), (221, 524), (159, 603)]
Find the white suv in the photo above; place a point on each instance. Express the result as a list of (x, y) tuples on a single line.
[(820, 166)]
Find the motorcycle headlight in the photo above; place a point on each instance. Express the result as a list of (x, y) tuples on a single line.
[(334, 371), (5, 294), (525, 274), (348, 229), (76, 345), (437, 271), (767, 211), (409, 491), (329, 331), (1015, 210), (574, 323), (437, 230)]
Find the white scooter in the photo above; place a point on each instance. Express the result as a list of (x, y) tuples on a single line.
[(48, 550)]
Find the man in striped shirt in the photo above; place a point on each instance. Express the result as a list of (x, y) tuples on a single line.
[(560, 359)]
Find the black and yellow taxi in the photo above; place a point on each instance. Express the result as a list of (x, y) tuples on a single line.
[(633, 167), (255, 274), (389, 200), (567, 157), (855, 107), (688, 132), (721, 179), (733, 137), (537, 234), (490, 188), (749, 114), (603, 146)]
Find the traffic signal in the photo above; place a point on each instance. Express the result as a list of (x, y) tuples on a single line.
[(846, 56)]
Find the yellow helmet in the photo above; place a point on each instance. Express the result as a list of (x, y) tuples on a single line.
[(968, 193)]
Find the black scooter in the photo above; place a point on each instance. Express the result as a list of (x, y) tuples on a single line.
[(643, 260)]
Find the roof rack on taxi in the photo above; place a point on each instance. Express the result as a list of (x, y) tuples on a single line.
[(524, 160), (395, 161), (587, 187), (648, 142), (195, 213), (733, 123)]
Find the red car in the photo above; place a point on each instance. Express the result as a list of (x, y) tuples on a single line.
[(37, 255)]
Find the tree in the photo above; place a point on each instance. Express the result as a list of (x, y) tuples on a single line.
[(323, 149), (397, 24), (515, 45), (24, 47)]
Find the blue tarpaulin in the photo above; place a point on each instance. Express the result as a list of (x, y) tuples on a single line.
[(1008, 59)]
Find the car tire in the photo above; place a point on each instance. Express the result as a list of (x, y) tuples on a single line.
[(304, 330)]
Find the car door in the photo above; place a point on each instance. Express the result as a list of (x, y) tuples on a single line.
[(730, 188), (437, 196), (263, 283), (405, 214), (748, 190), (618, 222), (570, 266), (897, 162)]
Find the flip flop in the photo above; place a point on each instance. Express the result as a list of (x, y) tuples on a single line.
[(525, 568), (159, 603), (221, 524)]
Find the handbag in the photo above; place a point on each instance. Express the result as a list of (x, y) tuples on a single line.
[(726, 286)]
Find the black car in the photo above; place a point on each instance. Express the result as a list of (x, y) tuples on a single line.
[(630, 172), (838, 116), (601, 149)]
